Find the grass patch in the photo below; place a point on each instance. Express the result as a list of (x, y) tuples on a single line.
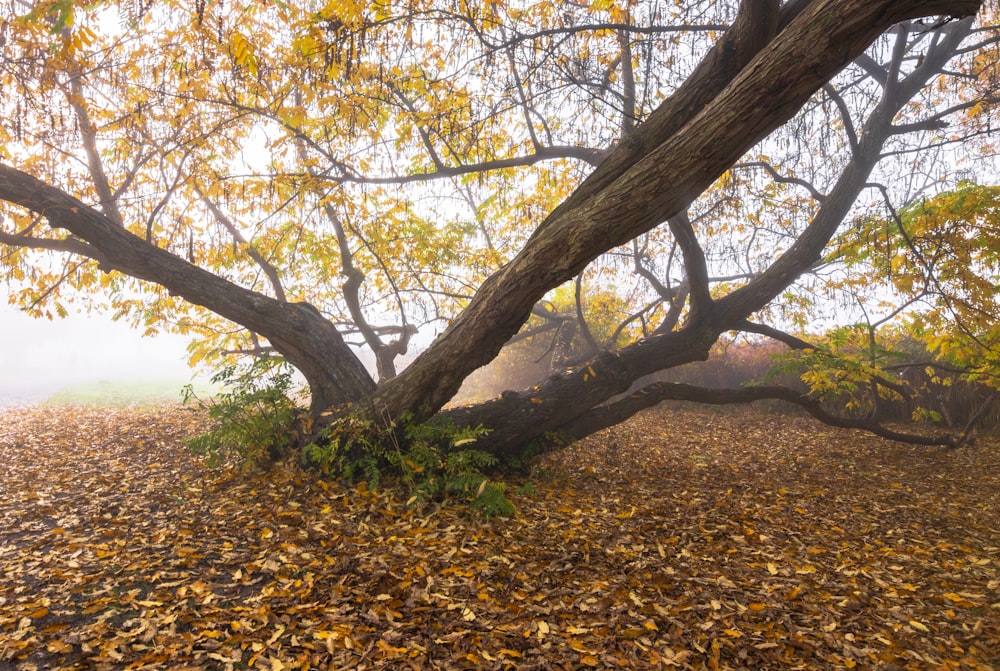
[(125, 392)]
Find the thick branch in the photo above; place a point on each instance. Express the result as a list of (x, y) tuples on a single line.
[(297, 330), (695, 267), (653, 394), (653, 175)]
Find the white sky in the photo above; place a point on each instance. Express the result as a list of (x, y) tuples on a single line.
[(38, 356)]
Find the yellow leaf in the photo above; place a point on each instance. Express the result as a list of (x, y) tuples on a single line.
[(919, 627), (277, 634), (266, 533), (59, 647)]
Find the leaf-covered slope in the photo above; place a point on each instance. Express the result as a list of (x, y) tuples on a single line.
[(684, 539)]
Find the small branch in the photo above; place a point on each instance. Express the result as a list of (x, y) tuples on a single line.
[(522, 100), (845, 116), (88, 134), (424, 135), (594, 27), (227, 223), (70, 245), (628, 85), (782, 179), (874, 70), (637, 255), (976, 416), (775, 334), (258, 351)]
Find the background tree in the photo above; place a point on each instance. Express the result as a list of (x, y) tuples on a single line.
[(291, 178)]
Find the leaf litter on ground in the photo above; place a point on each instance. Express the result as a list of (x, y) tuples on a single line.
[(682, 539)]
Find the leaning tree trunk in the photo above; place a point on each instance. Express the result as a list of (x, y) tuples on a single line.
[(297, 330), (575, 404), (656, 174)]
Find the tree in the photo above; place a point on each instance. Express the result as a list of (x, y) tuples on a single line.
[(453, 163)]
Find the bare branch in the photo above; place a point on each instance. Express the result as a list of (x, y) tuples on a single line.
[(783, 179), (223, 220), (658, 392)]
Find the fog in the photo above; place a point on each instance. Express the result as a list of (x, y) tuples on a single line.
[(38, 356)]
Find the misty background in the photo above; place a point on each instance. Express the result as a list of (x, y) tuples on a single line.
[(39, 357)]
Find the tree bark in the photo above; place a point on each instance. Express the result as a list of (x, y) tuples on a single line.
[(655, 174)]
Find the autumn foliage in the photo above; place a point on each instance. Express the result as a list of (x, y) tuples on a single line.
[(388, 195)]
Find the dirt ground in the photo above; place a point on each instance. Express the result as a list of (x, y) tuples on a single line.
[(683, 539)]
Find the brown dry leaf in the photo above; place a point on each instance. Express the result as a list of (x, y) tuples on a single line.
[(681, 540)]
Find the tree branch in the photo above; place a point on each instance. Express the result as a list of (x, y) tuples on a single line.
[(297, 330), (223, 220), (658, 392)]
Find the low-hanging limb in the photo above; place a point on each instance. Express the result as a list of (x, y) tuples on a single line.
[(653, 394)]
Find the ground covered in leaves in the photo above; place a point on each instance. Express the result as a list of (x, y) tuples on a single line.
[(686, 539)]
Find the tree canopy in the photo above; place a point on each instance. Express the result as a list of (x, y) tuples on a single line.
[(628, 182)]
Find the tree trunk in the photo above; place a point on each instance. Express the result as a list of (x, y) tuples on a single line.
[(655, 174)]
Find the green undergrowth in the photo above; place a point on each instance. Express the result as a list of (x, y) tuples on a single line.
[(257, 421)]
